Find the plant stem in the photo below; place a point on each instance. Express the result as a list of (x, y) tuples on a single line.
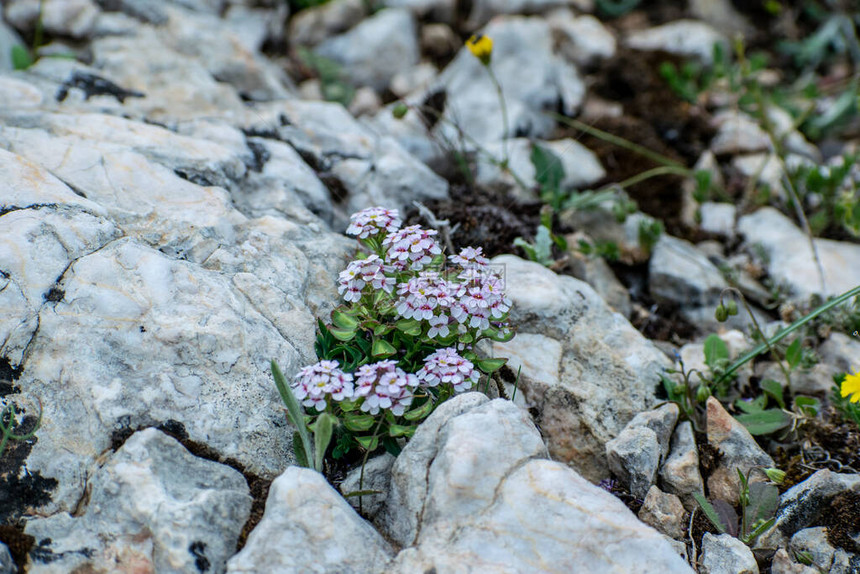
[(619, 141), (504, 106), (759, 349)]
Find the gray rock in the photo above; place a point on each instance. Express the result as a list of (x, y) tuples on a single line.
[(484, 10), (581, 166), (596, 272), (7, 565), (725, 554), (681, 37), (664, 512), (719, 219), (680, 273), (634, 457), (493, 505), (680, 473), (8, 40), (372, 169), (533, 81), (72, 18), (313, 25), (309, 527), (636, 453), (582, 39), (722, 15), (211, 41), (738, 133), (803, 504), (783, 564), (153, 506), (375, 475), (790, 260), (607, 371), (740, 452), (155, 338), (428, 10), (417, 78), (840, 351), (377, 49), (825, 557)]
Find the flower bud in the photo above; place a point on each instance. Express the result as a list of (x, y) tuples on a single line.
[(721, 314), (702, 393), (775, 475), (400, 110), (732, 308)]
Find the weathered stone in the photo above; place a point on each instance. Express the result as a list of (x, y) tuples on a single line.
[(783, 564), (681, 37), (582, 39), (738, 133), (492, 505), (375, 475), (840, 352), (790, 259), (679, 273), (533, 81), (7, 565), (664, 512), (376, 49), (719, 219), (636, 453), (724, 554), (680, 473), (607, 373), (313, 25), (152, 507), (740, 452), (309, 527), (803, 504), (73, 18)]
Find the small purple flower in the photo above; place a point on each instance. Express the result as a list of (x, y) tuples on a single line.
[(447, 367), (411, 248), (362, 272), (384, 385), (316, 383), (372, 220), (470, 258)]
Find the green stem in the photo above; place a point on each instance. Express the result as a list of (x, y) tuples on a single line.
[(505, 125), (615, 140), (654, 172), (748, 356)]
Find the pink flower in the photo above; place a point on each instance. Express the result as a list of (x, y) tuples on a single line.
[(372, 220), (446, 367), (411, 248), (384, 386), (316, 383)]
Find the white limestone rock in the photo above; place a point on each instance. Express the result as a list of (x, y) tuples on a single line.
[(152, 507)]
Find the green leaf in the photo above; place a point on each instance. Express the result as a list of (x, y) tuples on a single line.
[(710, 512), (343, 334), (809, 406), (323, 429), (792, 353), (765, 422), (549, 171), (758, 530), (764, 500), (382, 348), (774, 389), (344, 320), (419, 413), (296, 412), (358, 422), (401, 430), (715, 351), (490, 365), (21, 58), (368, 442), (299, 450), (756, 405), (409, 326)]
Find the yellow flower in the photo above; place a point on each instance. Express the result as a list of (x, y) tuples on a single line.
[(851, 386), (481, 47)]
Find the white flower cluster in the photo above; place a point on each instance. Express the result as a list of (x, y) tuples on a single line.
[(316, 383), (382, 385), (372, 220), (445, 366)]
